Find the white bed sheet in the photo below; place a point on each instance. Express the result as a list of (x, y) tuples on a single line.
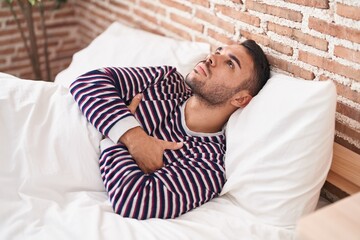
[(51, 186)]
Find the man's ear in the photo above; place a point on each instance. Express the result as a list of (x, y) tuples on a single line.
[(241, 99)]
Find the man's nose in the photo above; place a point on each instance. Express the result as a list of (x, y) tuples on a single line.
[(211, 60)]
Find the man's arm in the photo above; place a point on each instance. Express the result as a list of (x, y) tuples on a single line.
[(140, 144), (167, 193), (102, 96)]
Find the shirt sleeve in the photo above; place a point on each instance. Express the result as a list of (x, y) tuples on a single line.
[(103, 96), (167, 193)]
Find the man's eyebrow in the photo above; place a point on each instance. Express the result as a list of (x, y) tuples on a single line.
[(233, 57)]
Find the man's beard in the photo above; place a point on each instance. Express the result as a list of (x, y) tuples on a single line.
[(214, 95)]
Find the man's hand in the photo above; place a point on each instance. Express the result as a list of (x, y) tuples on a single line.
[(135, 103), (147, 151)]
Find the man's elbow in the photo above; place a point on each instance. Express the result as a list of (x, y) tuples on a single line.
[(148, 204)]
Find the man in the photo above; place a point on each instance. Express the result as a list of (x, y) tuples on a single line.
[(165, 140)]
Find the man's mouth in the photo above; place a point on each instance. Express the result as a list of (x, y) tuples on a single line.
[(200, 69)]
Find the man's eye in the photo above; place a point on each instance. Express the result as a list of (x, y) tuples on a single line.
[(230, 64)]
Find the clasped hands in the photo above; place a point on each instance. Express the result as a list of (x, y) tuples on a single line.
[(147, 151)]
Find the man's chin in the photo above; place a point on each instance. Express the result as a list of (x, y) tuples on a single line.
[(189, 80), (189, 77)]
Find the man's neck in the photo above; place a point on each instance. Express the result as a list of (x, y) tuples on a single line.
[(200, 117)]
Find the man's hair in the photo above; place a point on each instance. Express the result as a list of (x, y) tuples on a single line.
[(261, 67)]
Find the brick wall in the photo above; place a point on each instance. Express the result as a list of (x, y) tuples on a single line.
[(62, 39), (310, 39)]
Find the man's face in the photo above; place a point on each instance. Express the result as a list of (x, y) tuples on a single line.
[(222, 74)]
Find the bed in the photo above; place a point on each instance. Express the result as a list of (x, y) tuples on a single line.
[(278, 154)]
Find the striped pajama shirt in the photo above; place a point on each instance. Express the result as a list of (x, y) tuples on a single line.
[(191, 176)]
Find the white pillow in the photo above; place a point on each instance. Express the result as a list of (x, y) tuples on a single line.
[(122, 46), (279, 149)]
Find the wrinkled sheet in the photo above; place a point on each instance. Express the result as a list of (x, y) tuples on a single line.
[(51, 186)]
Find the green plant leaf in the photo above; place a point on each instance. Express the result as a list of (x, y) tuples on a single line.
[(59, 3), (32, 2), (7, 1)]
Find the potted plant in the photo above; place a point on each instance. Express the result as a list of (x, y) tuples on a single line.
[(27, 8)]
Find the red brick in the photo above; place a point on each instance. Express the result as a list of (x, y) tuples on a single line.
[(87, 35), (210, 18), (264, 40), (99, 6), (49, 6), (59, 33), (119, 5), (187, 22), (299, 36), (310, 40), (176, 5), (145, 16), (71, 42), (347, 53), (329, 65), (154, 8), (348, 11), (5, 12), (279, 29), (291, 68), (7, 51), (346, 91), (14, 40), (176, 30), (66, 53), (238, 15), (61, 24), (146, 28), (273, 10), (220, 37), (332, 29), (64, 13), (121, 16), (96, 14), (20, 57), (14, 68), (348, 111), (11, 23), (59, 65), (65, 47), (9, 32), (312, 3), (90, 21), (2, 62), (201, 2), (348, 131)]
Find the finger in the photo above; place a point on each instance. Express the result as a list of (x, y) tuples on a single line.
[(135, 103), (149, 169), (172, 145), (144, 168)]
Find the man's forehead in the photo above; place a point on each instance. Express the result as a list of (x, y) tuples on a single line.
[(232, 47)]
